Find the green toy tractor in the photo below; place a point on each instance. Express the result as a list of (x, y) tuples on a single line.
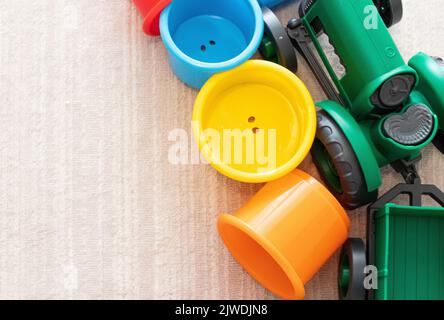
[(380, 110)]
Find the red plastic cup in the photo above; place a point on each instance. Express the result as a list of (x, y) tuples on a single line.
[(150, 11)]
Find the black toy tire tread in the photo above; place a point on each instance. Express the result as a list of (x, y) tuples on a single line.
[(394, 11), (277, 34), (439, 141), (354, 188)]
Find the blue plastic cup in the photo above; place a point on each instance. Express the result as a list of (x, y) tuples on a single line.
[(271, 3), (204, 37)]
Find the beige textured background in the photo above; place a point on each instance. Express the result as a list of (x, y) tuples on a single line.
[(89, 205)]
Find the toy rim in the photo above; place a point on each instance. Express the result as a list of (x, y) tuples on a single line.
[(246, 54), (303, 148)]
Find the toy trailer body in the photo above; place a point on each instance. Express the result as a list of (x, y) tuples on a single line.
[(409, 252)]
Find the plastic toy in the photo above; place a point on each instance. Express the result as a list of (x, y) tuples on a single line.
[(150, 11), (281, 238), (206, 37), (260, 101), (380, 109), (404, 243)]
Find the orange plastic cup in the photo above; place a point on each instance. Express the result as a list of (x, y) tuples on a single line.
[(286, 232), (150, 11)]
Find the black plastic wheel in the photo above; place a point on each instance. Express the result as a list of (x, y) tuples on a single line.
[(391, 11), (304, 6), (439, 141), (338, 165), (276, 46), (439, 61), (351, 270)]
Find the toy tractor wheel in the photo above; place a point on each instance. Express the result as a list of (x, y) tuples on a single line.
[(338, 164), (305, 6), (351, 270), (439, 139), (276, 46), (391, 11), (439, 61)]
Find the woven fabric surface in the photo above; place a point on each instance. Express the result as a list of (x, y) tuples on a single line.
[(90, 205)]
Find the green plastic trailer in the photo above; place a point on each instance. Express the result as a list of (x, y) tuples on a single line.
[(406, 245)]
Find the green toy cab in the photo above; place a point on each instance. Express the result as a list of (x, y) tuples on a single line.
[(380, 109)]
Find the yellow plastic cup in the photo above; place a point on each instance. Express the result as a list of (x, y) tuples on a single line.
[(254, 123)]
